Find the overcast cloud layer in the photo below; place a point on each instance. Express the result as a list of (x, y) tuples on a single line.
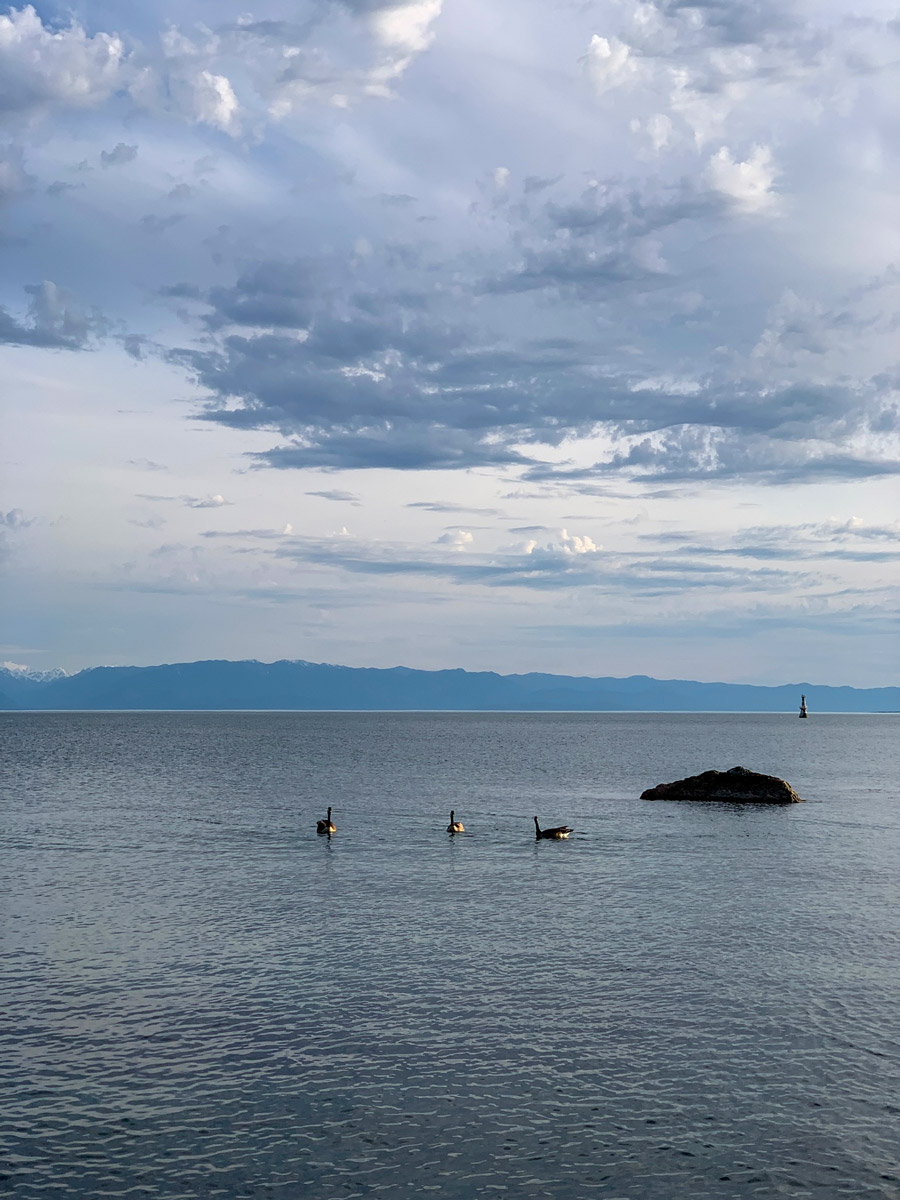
[(499, 335)]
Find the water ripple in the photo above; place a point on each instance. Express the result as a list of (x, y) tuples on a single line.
[(201, 998)]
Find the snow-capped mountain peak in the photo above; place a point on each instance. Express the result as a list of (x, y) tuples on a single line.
[(23, 672)]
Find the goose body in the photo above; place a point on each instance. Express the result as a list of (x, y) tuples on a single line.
[(455, 826), (326, 825), (558, 831)]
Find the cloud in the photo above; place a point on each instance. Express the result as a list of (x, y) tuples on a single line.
[(610, 63), (210, 98), (851, 540), (441, 507), (153, 224), (15, 519), (146, 464), (407, 29), (747, 184), (54, 320), (186, 73), (349, 383), (41, 68), (216, 501), (119, 155), (150, 523), (567, 563), (537, 322), (272, 294), (15, 181), (341, 497), (323, 59), (456, 539)]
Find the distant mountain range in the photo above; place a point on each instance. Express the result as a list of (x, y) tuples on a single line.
[(310, 686)]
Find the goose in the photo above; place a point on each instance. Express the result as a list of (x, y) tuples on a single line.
[(560, 831), (455, 826), (326, 825)]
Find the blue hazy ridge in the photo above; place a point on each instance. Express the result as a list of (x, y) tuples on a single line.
[(221, 684)]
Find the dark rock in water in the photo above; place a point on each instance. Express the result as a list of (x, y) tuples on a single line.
[(738, 785)]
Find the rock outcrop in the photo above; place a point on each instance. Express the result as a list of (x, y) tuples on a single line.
[(737, 786)]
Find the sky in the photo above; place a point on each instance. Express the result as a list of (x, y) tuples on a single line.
[(492, 334)]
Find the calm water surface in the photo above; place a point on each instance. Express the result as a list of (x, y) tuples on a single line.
[(202, 998)]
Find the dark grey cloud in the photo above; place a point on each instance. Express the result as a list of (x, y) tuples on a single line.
[(338, 496), (15, 518), (54, 320), (548, 568), (354, 376), (849, 541), (154, 224), (120, 154), (135, 345), (59, 186), (412, 392), (216, 501), (283, 295), (392, 446), (437, 506), (736, 22), (793, 553), (538, 183), (564, 311), (146, 464), (396, 199), (563, 564), (181, 291), (154, 523)]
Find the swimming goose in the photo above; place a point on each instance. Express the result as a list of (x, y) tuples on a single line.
[(455, 826), (326, 825), (560, 831)]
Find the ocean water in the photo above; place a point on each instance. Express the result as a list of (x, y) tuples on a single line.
[(200, 997)]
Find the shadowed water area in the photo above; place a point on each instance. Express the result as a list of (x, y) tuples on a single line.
[(200, 997)]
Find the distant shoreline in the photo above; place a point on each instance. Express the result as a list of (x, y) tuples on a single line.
[(456, 712), (222, 685)]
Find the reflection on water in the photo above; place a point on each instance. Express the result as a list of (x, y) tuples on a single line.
[(203, 998)]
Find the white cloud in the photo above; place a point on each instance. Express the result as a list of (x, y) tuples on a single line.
[(213, 101), (216, 501), (407, 29), (568, 544), (610, 63), (457, 539), (657, 129), (41, 67), (402, 33), (575, 544), (748, 184)]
